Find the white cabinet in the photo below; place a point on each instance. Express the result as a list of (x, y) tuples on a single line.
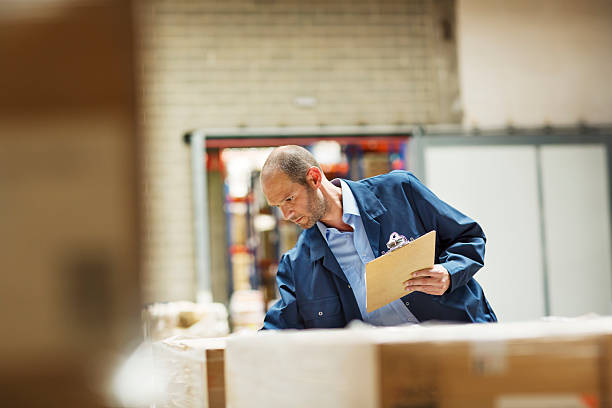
[(545, 211), (577, 228)]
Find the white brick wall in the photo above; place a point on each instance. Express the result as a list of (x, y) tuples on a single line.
[(243, 63)]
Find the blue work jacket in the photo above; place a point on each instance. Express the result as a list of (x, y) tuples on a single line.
[(315, 293)]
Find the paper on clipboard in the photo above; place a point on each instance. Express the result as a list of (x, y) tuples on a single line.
[(386, 274)]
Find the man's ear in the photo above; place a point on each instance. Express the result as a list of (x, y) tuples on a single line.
[(314, 177)]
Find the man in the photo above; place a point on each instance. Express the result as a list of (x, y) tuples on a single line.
[(347, 224)]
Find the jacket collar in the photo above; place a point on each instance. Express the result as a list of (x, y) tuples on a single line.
[(367, 201), (370, 208)]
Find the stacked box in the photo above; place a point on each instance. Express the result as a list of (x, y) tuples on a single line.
[(247, 310), (192, 372), (533, 364), (375, 164), (239, 224), (243, 263), (183, 318)]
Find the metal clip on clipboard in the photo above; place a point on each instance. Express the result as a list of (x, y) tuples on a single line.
[(396, 241)]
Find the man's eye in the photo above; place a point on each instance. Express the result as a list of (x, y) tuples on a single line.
[(289, 198)]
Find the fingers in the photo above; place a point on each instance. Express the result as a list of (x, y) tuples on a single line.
[(423, 278), (433, 272), (422, 273), (418, 284), (431, 286)]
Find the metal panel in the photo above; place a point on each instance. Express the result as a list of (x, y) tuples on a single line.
[(564, 215), (498, 187), (576, 203)]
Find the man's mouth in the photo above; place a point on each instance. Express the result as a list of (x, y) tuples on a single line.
[(298, 220)]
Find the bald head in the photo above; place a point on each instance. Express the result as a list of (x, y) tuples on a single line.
[(294, 161)]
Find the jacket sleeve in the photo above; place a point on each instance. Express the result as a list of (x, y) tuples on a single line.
[(284, 313), (461, 241)]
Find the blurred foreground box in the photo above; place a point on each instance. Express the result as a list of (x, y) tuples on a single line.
[(69, 210), (532, 364)]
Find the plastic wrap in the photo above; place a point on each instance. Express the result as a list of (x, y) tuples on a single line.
[(190, 372)]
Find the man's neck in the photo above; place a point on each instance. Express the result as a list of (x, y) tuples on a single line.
[(333, 215)]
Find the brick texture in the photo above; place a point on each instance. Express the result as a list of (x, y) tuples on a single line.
[(243, 63)]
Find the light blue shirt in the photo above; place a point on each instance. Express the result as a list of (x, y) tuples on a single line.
[(352, 251)]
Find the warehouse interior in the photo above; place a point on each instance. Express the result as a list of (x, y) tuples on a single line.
[(140, 253)]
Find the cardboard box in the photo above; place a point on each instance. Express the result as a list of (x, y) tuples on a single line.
[(606, 372), (464, 374), (215, 368), (69, 199), (522, 365), (375, 164)]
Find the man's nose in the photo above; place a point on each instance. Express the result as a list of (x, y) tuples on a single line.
[(286, 213)]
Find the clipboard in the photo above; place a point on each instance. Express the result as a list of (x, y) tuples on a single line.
[(385, 275)]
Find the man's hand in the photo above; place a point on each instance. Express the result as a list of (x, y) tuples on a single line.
[(433, 281)]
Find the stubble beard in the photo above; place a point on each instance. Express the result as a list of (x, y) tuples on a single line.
[(317, 206)]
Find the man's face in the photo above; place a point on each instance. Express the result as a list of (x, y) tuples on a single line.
[(303, 205)]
